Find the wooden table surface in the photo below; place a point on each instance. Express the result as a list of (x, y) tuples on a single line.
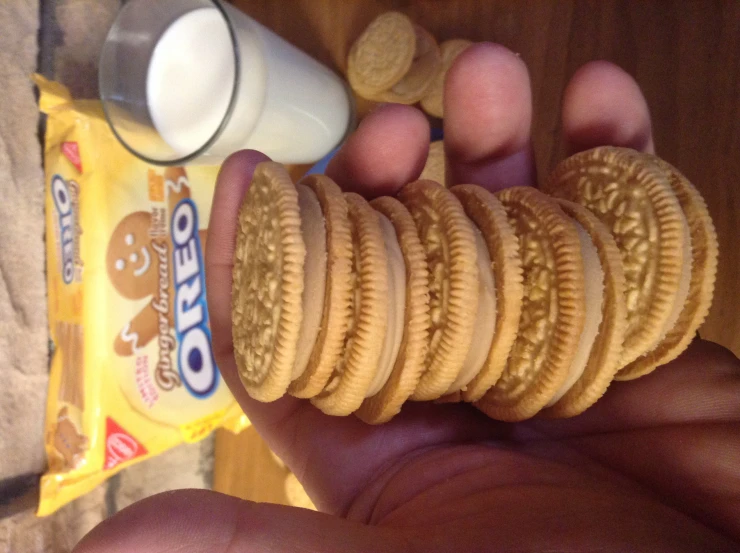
[(684, 54)]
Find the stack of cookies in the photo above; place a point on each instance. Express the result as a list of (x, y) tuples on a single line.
[(396, 60), (520, 302)]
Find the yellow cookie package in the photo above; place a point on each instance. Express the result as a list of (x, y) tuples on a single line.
[(132, 370)]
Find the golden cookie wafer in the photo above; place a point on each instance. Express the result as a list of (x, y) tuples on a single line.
[(599, 368), (432, 102), (336, 310), (448, 238), (424, 67), (489, 216), (434, 169), (382, 55), (268, 283), (635, 200), (553, 307), (363, 344), (409, 363), (705, 250)]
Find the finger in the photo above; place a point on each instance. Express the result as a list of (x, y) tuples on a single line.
[(674, 431), (700, 387), (694, 466), (488, 116), (201, 521), (387, 151), (603, 105)]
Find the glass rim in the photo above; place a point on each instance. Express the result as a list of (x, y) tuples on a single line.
[(224, 121)]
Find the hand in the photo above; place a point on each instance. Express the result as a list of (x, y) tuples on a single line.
[(653, 466)]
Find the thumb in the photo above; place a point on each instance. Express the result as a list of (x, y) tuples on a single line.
[(200, 521)]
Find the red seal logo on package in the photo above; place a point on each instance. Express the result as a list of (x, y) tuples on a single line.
[(120, 446)]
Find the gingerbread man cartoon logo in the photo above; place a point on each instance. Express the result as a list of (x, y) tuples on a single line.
[(69, 443), (141, 266)]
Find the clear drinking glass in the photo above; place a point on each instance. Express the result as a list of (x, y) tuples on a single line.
[(195, 80)]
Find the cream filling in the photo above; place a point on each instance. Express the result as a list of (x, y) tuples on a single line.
[(485, 319), (396, 307), (313, 230), (683, 286), (593, 289)]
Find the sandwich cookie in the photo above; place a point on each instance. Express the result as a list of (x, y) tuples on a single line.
[(382, 55), (433, 100), (408, 315), (355, 371), (485, 321), (327, 292), (600, 345), (435, 166), (268, 277), (505, 304), (704, 253), (451, 252), (424, 67), (635, 200), (393, 60), (553, 306)]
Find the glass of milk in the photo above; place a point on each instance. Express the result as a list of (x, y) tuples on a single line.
[(195, 80)]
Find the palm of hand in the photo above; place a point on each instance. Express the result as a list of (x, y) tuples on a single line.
[(654, 465)]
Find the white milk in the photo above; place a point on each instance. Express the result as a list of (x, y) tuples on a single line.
[(288, 105)]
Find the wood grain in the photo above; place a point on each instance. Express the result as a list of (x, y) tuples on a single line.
[(245, 468), (684, 54)]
